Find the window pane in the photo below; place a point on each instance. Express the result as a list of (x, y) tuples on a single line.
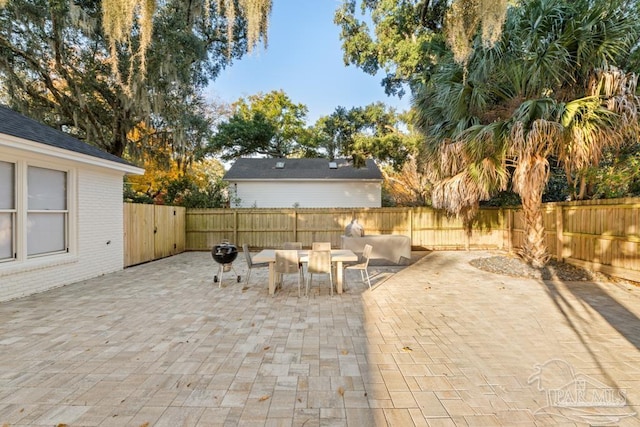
[(7, 186), (47, 189), (6, 235), (45, 233)]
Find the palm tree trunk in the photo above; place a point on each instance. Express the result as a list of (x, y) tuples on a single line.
[(534, 250)]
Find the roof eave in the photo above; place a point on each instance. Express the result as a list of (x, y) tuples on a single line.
[(22, 144)]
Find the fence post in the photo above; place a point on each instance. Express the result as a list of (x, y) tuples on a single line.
[(510, 214), (235, 226), (295, 225), (411, 224), (559, 233)]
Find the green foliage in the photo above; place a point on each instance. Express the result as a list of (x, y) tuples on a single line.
[(265, 124), (373, 131), (55, 65), (401, 38), (618, 176), (129, 195), (185, 192)]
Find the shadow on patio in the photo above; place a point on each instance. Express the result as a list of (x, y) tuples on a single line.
[(436, 343)]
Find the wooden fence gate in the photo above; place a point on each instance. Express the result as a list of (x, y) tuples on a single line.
[(152, 232)]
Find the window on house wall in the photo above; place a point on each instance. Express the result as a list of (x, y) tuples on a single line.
[(47, 211), (7, 211), (34, 211)]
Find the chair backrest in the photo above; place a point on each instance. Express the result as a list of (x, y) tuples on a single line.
[(319, 262), (287, 261), (292, 245), (247, 255), (366, 254), (321, 246)]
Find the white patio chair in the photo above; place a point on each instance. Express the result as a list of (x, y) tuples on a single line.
[(250, 264), (292, 245), (363, 265), (288, 262), (319, 263), (321, 246)]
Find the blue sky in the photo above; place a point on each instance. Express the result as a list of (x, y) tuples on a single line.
[(303, 58)]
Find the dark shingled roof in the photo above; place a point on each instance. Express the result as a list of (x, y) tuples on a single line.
[(15, 124), (265, 169)]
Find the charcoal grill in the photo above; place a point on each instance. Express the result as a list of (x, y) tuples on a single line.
[(224, 254)]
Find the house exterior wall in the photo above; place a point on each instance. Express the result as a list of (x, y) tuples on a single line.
[(306, 194), (95, 218)]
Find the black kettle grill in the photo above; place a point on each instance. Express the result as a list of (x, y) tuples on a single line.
[(224, 254)]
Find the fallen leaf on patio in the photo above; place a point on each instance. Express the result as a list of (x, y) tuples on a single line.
[(245, 289), (145, 425), (263, 398), (341, 391), (300, 400), (407, 348), (267, 348), (345, 352)]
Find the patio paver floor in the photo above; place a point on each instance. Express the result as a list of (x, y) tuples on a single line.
[(438, 343)]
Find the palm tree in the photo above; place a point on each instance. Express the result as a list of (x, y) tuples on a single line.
[(550, 89)]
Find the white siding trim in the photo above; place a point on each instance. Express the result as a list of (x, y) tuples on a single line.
[(307, 194), (12, 142)]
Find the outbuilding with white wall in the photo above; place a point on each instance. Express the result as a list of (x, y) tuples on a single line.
[(61, 208), (303, 183)]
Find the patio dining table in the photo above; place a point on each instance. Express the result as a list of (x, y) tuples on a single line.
[(338, 256)]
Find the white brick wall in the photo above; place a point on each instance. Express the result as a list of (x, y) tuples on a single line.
[(97, 196)]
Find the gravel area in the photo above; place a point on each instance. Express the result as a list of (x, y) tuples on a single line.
[(511, 265)]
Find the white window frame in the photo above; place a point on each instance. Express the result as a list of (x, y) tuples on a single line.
[(47, 212), (21, 210), (11, 212)]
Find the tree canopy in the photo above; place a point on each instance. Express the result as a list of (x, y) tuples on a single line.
[(401, 38), (269, 124), (56, 66), (373, 131), (551, 90)]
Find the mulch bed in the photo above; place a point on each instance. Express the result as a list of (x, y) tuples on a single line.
[(514, 266)]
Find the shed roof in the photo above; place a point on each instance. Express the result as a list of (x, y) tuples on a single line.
[(307, 169), (15, 124)]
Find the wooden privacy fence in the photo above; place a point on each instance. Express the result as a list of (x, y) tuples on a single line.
[(269, 228), (152, 232), (602, 235)]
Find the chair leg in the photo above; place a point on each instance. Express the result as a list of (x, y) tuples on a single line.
[(331, 283), (308, 284), (246, 282), (366, 272)]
